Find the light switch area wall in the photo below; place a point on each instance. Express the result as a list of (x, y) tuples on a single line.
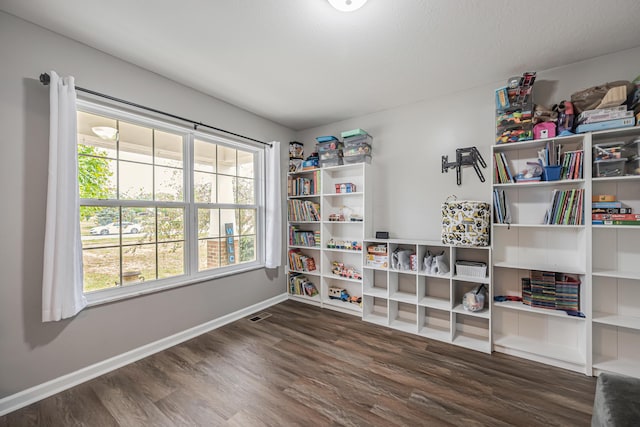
[(409, 142)]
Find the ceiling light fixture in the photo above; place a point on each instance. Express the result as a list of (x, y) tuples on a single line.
[(347, 5), (105, 132)]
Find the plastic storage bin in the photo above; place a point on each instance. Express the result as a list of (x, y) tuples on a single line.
[(631, 149), (551, 173), (323, 147), (331, 162), (360, 158), (611, 167), (357, 150), (356, 141), (633, 166), (331, 154)]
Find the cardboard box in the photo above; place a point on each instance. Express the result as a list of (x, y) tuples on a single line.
[(603, 198)]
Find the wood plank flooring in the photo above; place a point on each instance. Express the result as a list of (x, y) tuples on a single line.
[(309, 367)]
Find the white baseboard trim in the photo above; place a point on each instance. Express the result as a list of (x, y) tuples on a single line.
[(44, 390)]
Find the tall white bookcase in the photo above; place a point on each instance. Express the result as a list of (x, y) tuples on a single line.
[(606, 259), (615, 259), (343, 219)]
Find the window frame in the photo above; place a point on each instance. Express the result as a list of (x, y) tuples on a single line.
[(191, 274)]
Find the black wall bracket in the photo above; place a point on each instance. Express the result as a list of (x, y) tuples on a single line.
[(468, 156)]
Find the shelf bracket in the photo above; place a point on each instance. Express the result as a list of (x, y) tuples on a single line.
[(468, 156)]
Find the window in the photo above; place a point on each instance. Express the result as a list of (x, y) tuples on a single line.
[(163, 205)]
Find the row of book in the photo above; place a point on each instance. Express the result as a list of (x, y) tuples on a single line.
[(303, 237), (566, 207), (613, 213), (572, 164), (501, 169), (303, 186), (501, 211), (303, 210), (299, 284), (551, 290), (300, 262)]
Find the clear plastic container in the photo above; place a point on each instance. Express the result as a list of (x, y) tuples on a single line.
[(331, 154), (355, 141), (323, 147), (331, 162), (360, 158), (357, 150), (633, 166), (611, 167)]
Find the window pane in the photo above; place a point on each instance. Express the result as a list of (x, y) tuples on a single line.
[(245, 164), (247, 248), (204, 187), (138, 263), (169, 184), (246, 191), (96, 175), (229, 222), (170, 259), (136, 143), (226, 160), (226, 189), (208, 223), (168, 149), (204, 155), (247, 221), (101, 268), (88, 125), (136, 181), (95, 226), (208, 254), (138, 225), (170, 224)]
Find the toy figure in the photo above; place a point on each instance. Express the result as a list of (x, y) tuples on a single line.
[(439, 264), (428, 260)]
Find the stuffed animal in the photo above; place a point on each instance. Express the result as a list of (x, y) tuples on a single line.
[(439, 264), (401, 259), (428, 261)]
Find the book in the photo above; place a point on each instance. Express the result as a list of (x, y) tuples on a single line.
[(619, 217), (606, 205), (611, 210), (609, 124), (614, 222)]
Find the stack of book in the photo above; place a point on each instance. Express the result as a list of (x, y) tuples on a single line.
[(550, 290), (300, 262), (613, 213), (303, 210), (605, 118), (566, 207), (501, 210), (300, 285)]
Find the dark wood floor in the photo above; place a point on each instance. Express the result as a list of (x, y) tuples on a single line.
[(312, 367)]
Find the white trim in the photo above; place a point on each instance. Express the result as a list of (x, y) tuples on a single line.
[(44, 390)]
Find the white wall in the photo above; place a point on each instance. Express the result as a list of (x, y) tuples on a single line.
[(32, 352), (409, 142)]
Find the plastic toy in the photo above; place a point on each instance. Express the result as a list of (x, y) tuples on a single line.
[(355, 300), (338, 293)]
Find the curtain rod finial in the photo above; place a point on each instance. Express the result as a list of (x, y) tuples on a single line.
[(45, 79)]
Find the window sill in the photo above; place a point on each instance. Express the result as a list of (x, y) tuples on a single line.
[(108, 296)]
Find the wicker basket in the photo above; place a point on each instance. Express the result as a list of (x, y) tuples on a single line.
[(471, 268)]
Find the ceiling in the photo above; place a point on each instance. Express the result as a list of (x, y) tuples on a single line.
[(303, 64)]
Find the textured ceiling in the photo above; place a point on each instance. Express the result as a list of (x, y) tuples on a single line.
[(303, 64)]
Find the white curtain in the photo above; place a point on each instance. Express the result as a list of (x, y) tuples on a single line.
[(62, 295), (273, 207)]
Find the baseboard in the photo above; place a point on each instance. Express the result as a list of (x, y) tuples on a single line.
[(44, 390)]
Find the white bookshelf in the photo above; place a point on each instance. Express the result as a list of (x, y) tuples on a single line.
[(429, 305), (543, 335), (615, 257), (349, 205)]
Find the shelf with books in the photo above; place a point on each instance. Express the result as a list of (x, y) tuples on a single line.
[(615, 255), (546, 231)]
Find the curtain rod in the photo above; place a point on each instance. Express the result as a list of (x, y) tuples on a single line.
[(45, 79)]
